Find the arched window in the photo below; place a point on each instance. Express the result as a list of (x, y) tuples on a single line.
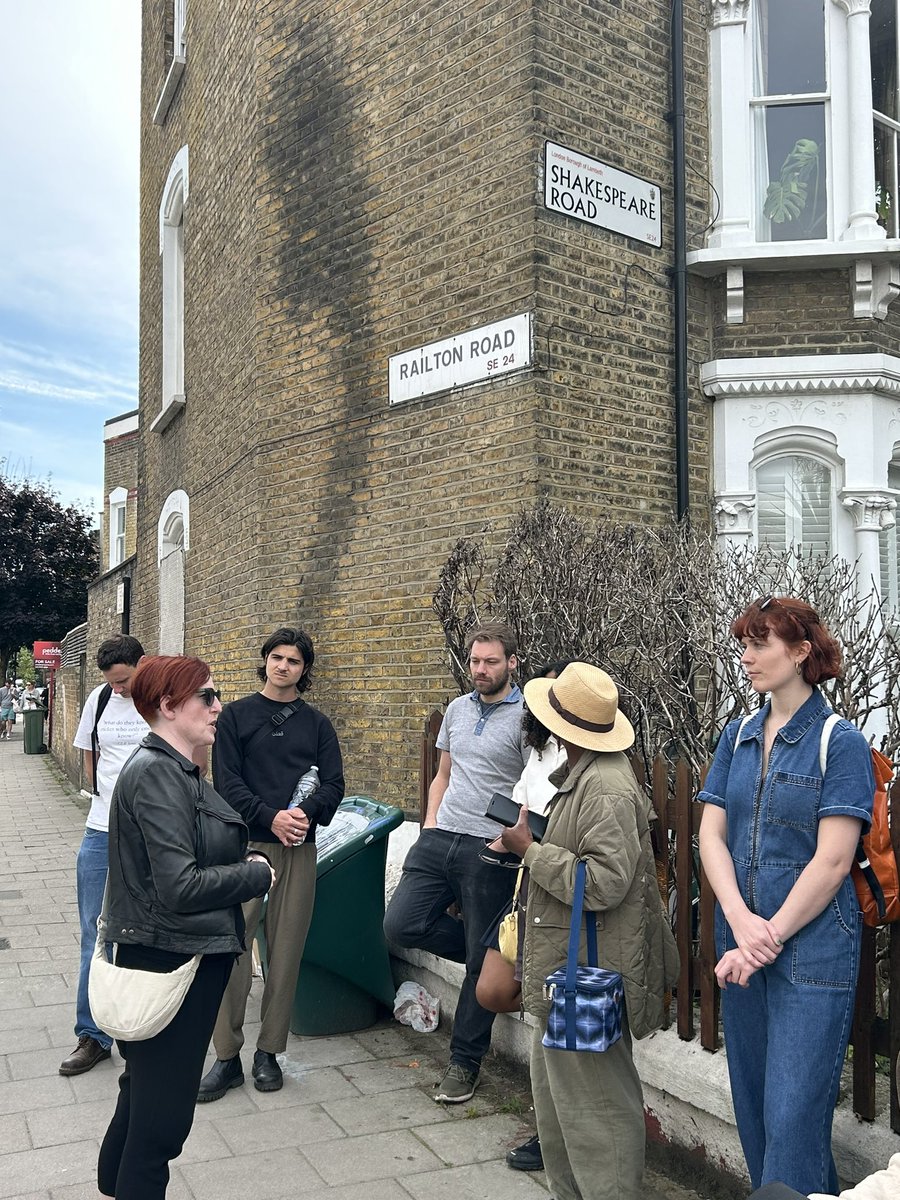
[(794, 503), (173, 539), (171, 249)]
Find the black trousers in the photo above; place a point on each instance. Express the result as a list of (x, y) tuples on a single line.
[(158, 1088)]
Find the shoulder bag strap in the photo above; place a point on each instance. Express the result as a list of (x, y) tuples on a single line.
[(275, 721), (102, 701), (572, 956)]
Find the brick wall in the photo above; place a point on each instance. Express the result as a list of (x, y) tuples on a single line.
[(363, 181), (120, 470)]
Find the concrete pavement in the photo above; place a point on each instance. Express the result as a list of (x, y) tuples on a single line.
[(353, 1121)]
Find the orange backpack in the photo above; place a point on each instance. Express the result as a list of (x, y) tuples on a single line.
[(875, 874)]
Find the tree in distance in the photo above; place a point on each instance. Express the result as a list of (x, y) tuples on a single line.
[(48, 556)]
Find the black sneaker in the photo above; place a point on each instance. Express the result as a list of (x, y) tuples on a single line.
[(526, 1157), (224, 1074)]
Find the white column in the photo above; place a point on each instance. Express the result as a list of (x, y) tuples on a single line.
[(863, 220), (730, 123), (872, 512)]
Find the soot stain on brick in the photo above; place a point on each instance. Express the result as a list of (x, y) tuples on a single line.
[(315, 158)]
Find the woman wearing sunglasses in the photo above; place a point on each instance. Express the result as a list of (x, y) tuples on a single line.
[(178, 874), (777, 840)]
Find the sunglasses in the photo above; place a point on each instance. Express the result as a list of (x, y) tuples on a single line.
[(774, 602), (208, 695)]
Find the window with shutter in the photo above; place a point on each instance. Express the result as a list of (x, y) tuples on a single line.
[(794, 503)]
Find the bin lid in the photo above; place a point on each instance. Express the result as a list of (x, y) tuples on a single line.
[(358, 822)]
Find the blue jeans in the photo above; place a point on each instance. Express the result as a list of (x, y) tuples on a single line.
[(90, 875), (786, 1042), (440, 868)]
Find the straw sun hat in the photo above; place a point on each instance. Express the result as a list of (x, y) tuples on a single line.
[(581, 706)]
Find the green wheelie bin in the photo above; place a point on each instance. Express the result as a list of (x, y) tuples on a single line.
[(346, 973), (34, 730)]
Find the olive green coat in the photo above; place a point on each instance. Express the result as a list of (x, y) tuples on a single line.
[(600, 815)]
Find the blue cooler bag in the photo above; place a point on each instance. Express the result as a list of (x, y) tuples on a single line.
[(586, 1003)]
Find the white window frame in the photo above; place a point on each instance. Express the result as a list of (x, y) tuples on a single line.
[(171, 249), (118, 500), (782, 447), (855, 239), (176, 65), (173, 529)]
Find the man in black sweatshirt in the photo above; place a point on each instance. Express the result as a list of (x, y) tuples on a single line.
[(264, 743)]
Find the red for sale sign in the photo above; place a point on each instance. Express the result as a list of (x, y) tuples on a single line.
[(47, 654)]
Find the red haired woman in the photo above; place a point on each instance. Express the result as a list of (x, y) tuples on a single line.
[(777, 841), (178, 874)]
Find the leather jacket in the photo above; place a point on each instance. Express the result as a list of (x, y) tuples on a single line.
[(177, 872)]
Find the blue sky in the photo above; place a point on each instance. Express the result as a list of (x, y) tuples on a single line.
[(69, 109)]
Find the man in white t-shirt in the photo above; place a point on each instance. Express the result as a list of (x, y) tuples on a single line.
[(108, 732)]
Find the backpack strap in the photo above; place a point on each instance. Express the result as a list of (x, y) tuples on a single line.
[(102, 701), (862, 858), (825, 738)]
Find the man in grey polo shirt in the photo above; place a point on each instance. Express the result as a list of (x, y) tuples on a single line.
[(482, 752)]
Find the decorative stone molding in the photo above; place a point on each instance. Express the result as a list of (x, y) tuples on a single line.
[(734, 296), (874, 285), (734, 515), (795, 410), (871, 511), (853, 7), (729, 12), (821, 374)]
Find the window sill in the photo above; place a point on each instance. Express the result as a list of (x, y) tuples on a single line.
[(168, 414), (173, 78), (874, 269), (790, 256)]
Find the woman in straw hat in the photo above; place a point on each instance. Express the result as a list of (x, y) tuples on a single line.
[(589, 1106)]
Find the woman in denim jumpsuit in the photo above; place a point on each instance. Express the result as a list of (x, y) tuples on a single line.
[(777, 841)]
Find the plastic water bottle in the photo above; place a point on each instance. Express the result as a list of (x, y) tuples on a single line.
[(306, 785)]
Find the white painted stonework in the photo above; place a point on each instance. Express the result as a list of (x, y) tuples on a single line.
[(843, 409)]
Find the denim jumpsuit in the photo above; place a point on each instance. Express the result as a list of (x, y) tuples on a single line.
[(786, 1035)]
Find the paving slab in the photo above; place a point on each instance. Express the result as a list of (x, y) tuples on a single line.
[(264, 1176), (372, 1156), (49, 1167), (301, 1126), (407, 1108)]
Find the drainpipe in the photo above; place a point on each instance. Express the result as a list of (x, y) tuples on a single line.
[(679, 270)]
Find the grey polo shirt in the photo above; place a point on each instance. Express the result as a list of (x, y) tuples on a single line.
[(487, 754)]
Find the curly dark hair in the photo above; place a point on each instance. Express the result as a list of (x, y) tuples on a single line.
[(536, 734)]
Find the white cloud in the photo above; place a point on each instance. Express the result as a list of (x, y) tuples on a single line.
[(69, 207)]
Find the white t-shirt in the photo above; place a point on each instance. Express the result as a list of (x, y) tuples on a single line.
[(121, 728)]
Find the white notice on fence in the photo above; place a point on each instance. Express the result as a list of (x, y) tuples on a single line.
[(482, 353), (594, 192)]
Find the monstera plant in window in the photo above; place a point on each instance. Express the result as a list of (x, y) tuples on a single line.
[(794, 198)]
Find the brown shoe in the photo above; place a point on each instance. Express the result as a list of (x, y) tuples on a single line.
[(87, 1054)]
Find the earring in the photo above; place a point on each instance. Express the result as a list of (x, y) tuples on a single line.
[(798, 667)]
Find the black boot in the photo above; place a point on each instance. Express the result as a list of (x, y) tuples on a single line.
[(222, 1075), (267, 1075)]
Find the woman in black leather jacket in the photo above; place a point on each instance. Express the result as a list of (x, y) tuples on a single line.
[(178, 874)]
